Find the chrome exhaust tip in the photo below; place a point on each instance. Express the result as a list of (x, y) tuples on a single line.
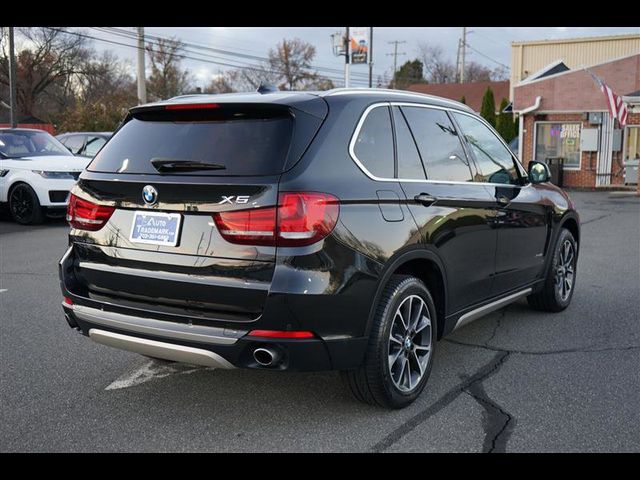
[(267, 357)]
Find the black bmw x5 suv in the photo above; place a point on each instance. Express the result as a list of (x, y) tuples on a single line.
[(344, 230)]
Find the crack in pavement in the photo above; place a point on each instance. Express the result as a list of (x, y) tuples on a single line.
[(596, 219), (411, 424), (497, 423), (585, 349), (497, 326)]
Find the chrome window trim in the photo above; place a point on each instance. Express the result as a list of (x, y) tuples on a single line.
[(364, 169)]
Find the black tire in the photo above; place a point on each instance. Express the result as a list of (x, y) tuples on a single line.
[(372, 382), (24, 205), (552, 298)]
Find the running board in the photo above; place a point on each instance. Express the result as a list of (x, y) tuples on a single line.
[(153, 348), (490, 307)]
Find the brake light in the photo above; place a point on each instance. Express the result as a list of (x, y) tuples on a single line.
[(248, 227), (67, 300), (86, 215), (191, 106), (281, 334), (301, 218)]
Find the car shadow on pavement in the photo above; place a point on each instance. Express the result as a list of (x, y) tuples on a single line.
[(8, 225)]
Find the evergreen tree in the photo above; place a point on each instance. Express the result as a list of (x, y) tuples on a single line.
[(488, 108), (409, 73), (504, 123)]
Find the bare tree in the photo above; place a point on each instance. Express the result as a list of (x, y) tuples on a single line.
[(249, 79), (102, 97), (474, 72), (49, 63), (291, 59), (167, 78), (221, 83), (437, 68), (500, 73)]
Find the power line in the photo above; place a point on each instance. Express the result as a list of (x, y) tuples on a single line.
[(190, 57), (128, 34), (487, 57)]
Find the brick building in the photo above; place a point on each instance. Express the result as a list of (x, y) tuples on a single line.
[(564, 114), (472, 91)]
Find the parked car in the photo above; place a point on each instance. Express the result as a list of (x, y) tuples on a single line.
[(36, 174), (84, 144), (343, 230)]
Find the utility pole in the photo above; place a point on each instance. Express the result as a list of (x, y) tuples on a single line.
[(463, 46), (370, 57), (13, 80), (395, 58), (347, 44), (458, 61), (142, 85)]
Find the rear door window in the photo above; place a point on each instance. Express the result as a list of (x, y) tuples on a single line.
[(439, 145), (409, 163), (374, 144), (229, 141)]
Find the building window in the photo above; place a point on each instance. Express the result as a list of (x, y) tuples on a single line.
[(632, 147), (558, 140)]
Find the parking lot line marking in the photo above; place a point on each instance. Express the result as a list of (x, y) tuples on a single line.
[(152, 370), (2, 290)]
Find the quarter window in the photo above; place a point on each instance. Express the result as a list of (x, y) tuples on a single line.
[(494, 160), (440, 148), (374, 144)]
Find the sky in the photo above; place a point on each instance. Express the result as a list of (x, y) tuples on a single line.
[(490, 46)]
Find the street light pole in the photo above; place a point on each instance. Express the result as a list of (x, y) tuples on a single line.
[(13, 80), (347, 43), (370, 57)]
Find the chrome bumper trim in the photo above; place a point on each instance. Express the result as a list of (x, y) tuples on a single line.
[(152, 348), (158, 328)]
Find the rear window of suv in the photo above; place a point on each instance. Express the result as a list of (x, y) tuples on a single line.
[(231, 141)]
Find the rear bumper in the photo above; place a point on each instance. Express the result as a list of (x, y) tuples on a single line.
[(210, 346), (297, 299)]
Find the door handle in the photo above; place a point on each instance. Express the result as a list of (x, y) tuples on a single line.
[(503, 200), (425, 199)]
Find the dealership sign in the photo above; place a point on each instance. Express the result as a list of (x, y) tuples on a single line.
[(359, 44)]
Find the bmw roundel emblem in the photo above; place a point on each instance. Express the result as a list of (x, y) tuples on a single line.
[(149, 195)]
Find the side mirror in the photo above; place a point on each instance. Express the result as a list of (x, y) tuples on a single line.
[(539, 172)]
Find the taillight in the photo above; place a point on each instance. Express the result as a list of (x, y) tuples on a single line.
[(87, 215), (301, 218), (248, 227)]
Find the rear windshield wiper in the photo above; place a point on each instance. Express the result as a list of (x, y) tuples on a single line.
[(172, 165)]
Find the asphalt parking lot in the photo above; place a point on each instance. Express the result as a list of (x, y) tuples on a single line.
[(517, 380)]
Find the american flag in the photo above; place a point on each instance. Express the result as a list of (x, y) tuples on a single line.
[(617, 108)]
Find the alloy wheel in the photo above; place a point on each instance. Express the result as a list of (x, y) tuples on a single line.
[(565, 270), (409, 343), (21, 203)]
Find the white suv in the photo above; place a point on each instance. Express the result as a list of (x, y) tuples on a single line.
[(36, 173)]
